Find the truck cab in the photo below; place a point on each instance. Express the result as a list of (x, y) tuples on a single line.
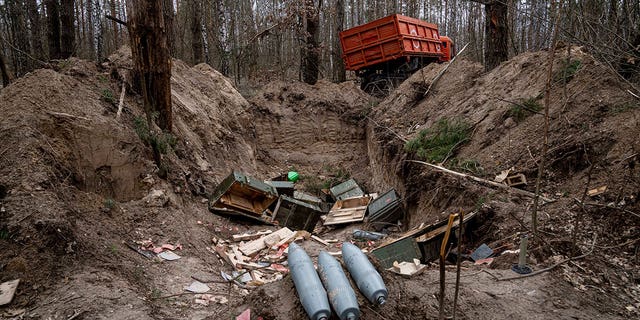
[(448, 49)]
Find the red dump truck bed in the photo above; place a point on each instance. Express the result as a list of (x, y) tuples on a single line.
[(390, 38)]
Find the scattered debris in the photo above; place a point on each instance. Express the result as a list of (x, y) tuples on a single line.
[(482, 252), (348, 210), (7, 291), (597, 191), (347, 189), (245, 315), (407, 268), (503, 175), (135, 247), (253, 247), (205, 299), (250, 236), (516, 180), (318, 239), (169, 255), (197, 287)]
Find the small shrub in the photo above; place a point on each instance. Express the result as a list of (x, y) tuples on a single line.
[(439, 141), (524, 109), (4, 234), (109, 204), (102, 78), (161, 142), (107, 96), (568, 70)]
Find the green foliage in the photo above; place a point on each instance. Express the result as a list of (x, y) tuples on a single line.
[(156, 293), (102, 78), (568, 70), (161, 142), (439, 141), (107, 96), (109, 203), (524, 109), (4, 234)]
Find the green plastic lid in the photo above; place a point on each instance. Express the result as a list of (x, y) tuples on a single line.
[(293, 176)]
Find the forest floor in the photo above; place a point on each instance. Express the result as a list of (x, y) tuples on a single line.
[(77, 183)]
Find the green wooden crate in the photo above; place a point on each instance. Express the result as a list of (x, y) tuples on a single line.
[(402, 250)]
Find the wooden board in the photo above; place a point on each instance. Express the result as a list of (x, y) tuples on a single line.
[(252, 247)]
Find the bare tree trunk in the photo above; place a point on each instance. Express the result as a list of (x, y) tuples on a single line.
[(152, 62), (196, 33), (310, 54), (36, 38), (90, 30), (339, 74), (167, 9), (4, 72), (497, 34), (53, 28), (18, 34), (67, 35), (114, 25)]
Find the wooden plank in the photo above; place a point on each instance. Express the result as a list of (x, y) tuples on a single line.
[(316, 238), (250, 236), (253, 247)]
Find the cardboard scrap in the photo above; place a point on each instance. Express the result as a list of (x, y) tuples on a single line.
[(503, 175), (7, 291), (197, 287), (405, 268)]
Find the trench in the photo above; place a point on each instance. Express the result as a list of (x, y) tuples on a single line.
[(317, 139)]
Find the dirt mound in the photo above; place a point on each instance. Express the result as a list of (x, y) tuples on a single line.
[(77, 182), (593, 142)]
